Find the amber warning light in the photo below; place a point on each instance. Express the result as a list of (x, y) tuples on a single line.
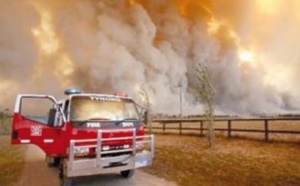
[(121, 93)]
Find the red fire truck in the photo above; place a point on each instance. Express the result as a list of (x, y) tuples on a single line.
[(84, 134)]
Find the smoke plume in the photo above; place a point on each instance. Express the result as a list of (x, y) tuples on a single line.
[(250, 46)]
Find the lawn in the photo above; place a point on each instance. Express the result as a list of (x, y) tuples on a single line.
[(187, 161), (11, 161)]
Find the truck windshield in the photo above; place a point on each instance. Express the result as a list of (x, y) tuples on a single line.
[(85, 108)]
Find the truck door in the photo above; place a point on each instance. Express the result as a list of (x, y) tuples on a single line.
[(38, 120)]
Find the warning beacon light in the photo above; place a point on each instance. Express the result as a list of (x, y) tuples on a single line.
[(71, 91), (121, 93)]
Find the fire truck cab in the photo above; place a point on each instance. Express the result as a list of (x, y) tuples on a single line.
[(84, 134)]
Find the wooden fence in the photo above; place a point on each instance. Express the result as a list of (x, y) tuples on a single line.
[(182, 123)]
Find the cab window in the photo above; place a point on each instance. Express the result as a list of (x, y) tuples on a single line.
[(37, 109)]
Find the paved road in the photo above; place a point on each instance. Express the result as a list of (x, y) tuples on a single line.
[(37, 173)]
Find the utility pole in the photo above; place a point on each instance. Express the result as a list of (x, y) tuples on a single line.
[(180, 99)]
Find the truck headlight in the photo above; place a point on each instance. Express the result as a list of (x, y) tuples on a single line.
[(105, 148), (81, 150)]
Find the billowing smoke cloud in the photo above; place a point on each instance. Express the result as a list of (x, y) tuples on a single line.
[(251, 48)]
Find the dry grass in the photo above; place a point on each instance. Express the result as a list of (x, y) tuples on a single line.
[(5, 124), (187, 161), (11, 161)]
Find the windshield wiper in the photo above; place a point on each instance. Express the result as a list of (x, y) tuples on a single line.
[(92, 119), (125, 119)]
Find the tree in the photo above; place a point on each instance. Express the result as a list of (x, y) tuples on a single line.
[(206, 93)]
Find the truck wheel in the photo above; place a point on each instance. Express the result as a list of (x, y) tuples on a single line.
[(66, 181), (127, 173), (52, 161), (56, 161)]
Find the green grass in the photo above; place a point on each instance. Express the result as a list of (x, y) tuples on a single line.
[(11, 161), (187, 161)]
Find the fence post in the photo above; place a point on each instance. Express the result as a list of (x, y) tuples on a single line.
[(201, 127), (229, 129), (164, 127), (180, 127), (266, 130)]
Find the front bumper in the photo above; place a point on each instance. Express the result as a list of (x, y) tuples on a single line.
[(108, 162), (86, 167)]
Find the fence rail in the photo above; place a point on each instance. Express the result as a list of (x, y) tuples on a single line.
[(266, 125)]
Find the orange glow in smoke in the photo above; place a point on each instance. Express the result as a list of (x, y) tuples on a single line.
[(131, 2), (182, 6), (49, 47), (46, 35), (246, 56), (268, 6), (213, 26), (220, 27)]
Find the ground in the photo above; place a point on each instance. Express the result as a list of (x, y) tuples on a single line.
[(36, 173), (188, 161), (183, 160)]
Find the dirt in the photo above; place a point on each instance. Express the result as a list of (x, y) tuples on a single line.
[(37, 173), (189, 162)]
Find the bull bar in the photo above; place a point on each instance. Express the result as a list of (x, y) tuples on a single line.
[(109, 164)]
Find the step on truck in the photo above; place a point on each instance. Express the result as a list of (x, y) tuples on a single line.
[(84, 134)]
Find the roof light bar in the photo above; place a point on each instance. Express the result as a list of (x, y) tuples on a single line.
[(71, 91)]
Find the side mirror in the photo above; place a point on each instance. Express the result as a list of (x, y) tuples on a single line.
[(145, 117), (51, 118)]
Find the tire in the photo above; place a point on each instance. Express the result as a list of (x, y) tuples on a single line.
[(127, 173), (57, 162), (49, 162), (54, 163), (66, 181)]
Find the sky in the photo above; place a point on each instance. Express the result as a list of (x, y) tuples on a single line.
[(251, 48)]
